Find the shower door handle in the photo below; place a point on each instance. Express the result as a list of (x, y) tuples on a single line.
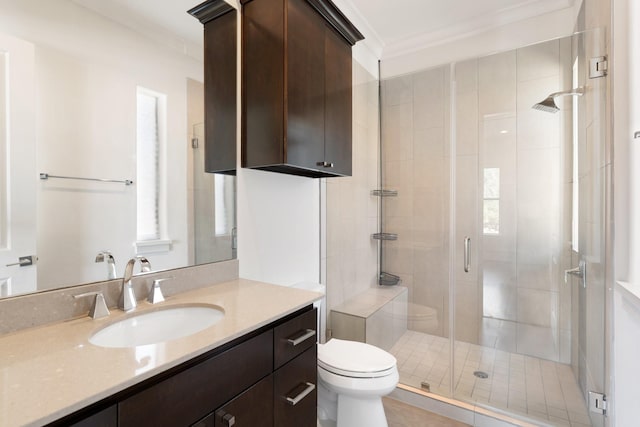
[(580, 271), (467, 254)]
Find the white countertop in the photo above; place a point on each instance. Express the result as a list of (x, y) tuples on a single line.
[(52, 371)]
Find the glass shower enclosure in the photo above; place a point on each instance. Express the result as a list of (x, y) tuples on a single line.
[(499, 206)]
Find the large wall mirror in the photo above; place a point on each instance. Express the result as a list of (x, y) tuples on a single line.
[(101, 143)]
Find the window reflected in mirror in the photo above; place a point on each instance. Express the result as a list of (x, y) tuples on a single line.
[(491, 201), (3, 150)]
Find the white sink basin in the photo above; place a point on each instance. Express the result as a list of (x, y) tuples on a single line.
[(157, 326)]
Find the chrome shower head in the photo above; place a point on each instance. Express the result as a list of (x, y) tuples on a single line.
[(549, 103)]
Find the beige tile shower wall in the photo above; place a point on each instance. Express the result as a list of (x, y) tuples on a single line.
[(350, 257), (415, 134), (522, 263)]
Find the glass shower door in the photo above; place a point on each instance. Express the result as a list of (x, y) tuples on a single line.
[(526, 341), (592, 177)]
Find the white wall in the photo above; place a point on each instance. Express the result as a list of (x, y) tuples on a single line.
[(626, 350), (627, 152), (278, 227)]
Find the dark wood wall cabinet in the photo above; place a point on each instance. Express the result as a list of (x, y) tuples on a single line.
[(264, 379), (296, 87), (220, 77)]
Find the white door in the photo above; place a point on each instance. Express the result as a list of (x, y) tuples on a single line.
[(18, 178)]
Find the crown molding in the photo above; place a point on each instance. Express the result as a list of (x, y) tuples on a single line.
[(372, 40), (210, 10), (473, 26)]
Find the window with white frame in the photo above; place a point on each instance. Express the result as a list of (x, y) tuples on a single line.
[(224, 191), (4, 160), (491, 201), (151, 107)]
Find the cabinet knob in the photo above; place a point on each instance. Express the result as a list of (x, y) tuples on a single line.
[(227, 419), (325, 164)]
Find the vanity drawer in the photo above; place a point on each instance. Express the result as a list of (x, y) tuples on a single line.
[(295, 391), (253, 408), (294, 337), (186, 397)]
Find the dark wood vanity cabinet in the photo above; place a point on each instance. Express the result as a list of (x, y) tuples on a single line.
[(107, 417), (190, 395), (264, 379), (254, 407), (296, 87), (220, 76)]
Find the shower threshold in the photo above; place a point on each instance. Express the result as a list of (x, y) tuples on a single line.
[(460, 411)]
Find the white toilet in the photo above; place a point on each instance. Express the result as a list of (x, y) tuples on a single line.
[(352, 378)]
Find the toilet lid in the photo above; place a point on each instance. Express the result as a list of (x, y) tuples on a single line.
[(355, 359)]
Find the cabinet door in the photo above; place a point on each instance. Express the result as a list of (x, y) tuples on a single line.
[(295, 392), (253, 408), (220, 52), (263, 83), (305, 86), (188, 396), (338, 115)]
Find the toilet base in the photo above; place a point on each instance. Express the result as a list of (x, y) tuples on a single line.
[(359, 412), (346, 410)]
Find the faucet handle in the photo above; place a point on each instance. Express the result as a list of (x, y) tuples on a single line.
[(145, 265), (155, 293), (99, 308)]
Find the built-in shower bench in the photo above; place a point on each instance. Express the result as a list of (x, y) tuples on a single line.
[(377, 316)]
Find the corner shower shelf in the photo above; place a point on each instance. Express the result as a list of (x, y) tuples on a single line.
[(385, 236), (384, 193), (388, 279)]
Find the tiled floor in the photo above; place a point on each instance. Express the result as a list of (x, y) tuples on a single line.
[(536, 388), (400, 414)]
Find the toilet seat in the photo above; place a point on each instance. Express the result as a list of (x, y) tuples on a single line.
[(355, 359)]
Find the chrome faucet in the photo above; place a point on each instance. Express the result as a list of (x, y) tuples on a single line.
[(127, 300), (111, 263)]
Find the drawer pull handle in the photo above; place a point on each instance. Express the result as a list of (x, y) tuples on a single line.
[(302, 338), (308, 389)]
